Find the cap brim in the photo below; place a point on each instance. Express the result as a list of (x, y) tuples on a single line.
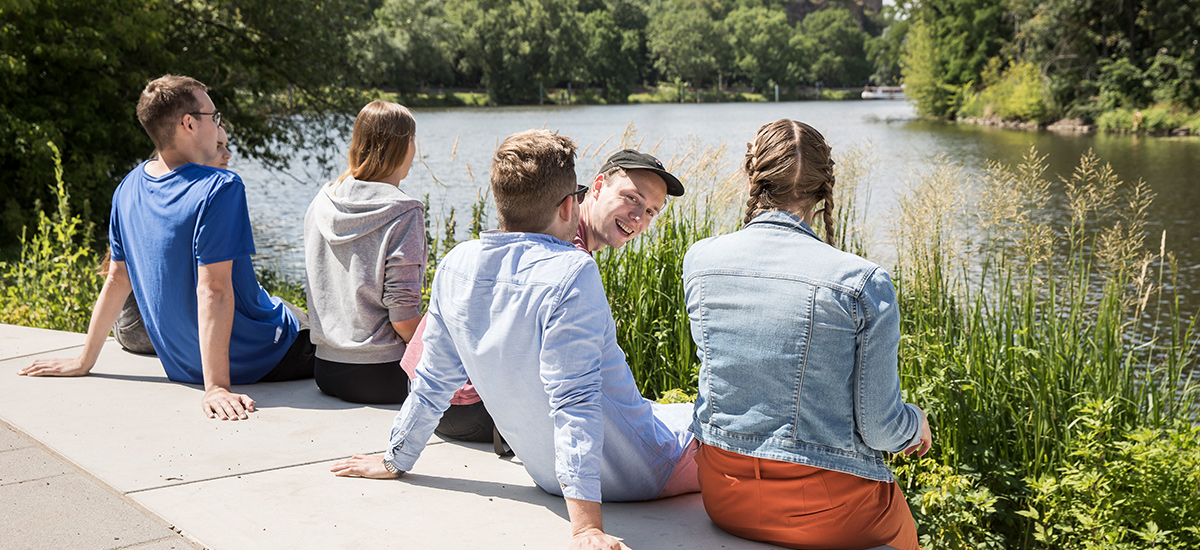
[(674, 187)]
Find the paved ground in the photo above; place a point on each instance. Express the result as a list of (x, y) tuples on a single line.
[(123, 458)]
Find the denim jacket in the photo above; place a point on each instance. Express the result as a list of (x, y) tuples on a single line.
[(798, 343)]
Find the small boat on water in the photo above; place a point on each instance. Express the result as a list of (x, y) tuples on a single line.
[(883, 92)]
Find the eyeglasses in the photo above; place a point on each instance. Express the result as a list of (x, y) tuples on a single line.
[(578, 194), (215, 114)]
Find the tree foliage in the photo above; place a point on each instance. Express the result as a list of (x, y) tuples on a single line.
[(834, 43), (760, 40), (73, 70), (1092, 56), (515, 45), (687, 41)]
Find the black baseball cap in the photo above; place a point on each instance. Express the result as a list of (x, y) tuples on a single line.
[(633, 160)]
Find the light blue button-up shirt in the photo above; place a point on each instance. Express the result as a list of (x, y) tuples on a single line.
[(524, 315)]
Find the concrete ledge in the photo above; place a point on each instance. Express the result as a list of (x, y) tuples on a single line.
[(265, 482)]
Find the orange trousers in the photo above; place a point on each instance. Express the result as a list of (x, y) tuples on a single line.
[(798, 506)]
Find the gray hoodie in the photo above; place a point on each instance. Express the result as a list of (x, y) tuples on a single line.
[(364, 256)]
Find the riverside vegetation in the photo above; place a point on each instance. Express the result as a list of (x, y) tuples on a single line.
[(1054, 364)]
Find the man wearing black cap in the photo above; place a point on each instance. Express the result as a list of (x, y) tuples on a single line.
[(629, 191)]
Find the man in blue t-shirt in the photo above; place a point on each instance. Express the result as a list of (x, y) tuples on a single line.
[(181, 242)]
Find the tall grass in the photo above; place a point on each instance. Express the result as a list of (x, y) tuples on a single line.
[(1013, 320)]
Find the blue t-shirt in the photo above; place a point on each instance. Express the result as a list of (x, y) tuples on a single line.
[(162, 228)]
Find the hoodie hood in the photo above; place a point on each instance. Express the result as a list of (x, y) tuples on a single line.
[(351, 209)]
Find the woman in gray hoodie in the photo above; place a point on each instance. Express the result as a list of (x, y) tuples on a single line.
[(364, 255)]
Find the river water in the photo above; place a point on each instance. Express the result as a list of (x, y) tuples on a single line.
[(455, 146)]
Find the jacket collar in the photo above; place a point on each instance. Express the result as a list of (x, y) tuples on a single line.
[(783, 219)]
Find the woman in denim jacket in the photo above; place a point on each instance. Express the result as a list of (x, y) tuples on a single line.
[(799, 391)]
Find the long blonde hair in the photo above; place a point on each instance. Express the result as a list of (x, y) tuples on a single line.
[(383, 132), (789, 166)]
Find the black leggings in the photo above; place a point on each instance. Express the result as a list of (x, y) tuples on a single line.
[(467, 423), (369, 384)]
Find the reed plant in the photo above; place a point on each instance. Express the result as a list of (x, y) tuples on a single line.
[(1013, 318)]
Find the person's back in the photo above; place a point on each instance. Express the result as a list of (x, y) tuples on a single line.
[(184, 228), (526, 315), (796, 314), (364, 255), (161, 227), (799, 393)]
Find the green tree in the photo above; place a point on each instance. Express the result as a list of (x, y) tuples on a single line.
[(883, 51), (956, 39), (687, 42), (760, 40), (614, 48), (515, 45), (411, 46), (833, 41), (923, 75), (73, 70)]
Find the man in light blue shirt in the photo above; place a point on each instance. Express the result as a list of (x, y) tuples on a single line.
[(522, 313)]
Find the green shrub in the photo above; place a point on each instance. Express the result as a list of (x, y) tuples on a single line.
[(1016, 92), (1118, 489), (1159, 119), (1116, 121), (55, 281), (952, 510)]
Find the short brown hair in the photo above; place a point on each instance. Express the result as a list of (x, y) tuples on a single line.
[(164, 100), (382, 133), (532, 172)]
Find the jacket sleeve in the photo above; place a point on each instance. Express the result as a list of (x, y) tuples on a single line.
[(570, 372), (404, 267), (884, 421)]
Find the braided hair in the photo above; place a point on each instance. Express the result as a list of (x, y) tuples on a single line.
[(789, 167)]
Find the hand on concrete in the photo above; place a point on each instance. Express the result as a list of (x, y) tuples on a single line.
[(595, 539), (220, 403), (362, 466), (926, 439), (55, 367)]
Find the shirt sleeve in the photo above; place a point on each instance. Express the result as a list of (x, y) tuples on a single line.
[(884, 420), (439, 374), (404, 268), (116, 249), (570, 371), (223, 229)]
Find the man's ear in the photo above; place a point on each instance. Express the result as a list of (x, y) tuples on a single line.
[(186, 124), (597, 184), (564, 209)]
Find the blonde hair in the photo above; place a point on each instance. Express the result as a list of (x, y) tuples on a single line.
[(789, 166), (532, 171), (383, 132)]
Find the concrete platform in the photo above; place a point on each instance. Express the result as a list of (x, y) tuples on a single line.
[(123, 458)]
